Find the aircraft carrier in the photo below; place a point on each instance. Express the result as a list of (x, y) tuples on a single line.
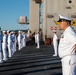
[(44, 12)]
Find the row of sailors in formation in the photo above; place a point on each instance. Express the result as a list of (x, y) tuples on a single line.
[(8, 42)]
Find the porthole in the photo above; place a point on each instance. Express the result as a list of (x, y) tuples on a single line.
[(70, 1)]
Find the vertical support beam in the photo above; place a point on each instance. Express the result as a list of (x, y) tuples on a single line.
[(34, 16), (44, 25)]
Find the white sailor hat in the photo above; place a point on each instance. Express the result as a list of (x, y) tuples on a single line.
[(3, 31), (19, 31), (8, 31), (12, 32), (64, 18)]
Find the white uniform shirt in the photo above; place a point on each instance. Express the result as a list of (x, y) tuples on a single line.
[(9, 39), (4, 39), (67, 42), (37, 38), (19, 38)]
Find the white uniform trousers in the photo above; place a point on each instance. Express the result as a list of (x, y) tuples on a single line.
[(13, 48), (23, 43), (9, 51), (67, 68), (38, 46), (19, 42), (4, 51), (19, 45), (12, 51), (55, 47), (73, 65), (1, 57)]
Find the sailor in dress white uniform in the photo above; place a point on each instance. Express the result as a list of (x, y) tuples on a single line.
[(67, 46)]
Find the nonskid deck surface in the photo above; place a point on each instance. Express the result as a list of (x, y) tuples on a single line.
[(32, 61)]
